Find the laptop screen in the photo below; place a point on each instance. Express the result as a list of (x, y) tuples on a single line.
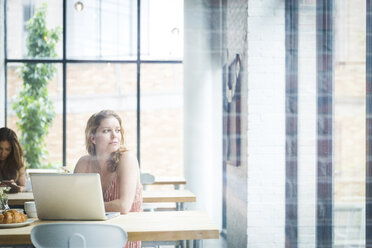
[(68, 196)]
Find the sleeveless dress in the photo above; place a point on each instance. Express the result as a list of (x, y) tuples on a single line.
[(112, 193)]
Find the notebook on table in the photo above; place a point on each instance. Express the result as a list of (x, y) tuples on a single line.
[(69, 197)]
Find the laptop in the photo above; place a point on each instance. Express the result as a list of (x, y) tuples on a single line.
[(69, 197)]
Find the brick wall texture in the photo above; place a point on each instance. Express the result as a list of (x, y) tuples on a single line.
[(161, 121)]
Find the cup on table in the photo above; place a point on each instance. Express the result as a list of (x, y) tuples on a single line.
[(30, 209)]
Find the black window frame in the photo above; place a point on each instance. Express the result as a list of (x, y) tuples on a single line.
[(64, 61)]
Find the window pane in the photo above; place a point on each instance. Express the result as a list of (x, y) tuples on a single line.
[(53, 134), (94, 87), (18, 14), (348, 122), (349, 118), (162, 119), (162, 30), (102, 30)]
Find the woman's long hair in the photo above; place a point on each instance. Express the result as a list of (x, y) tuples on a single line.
[(93, 123), (14, 162)]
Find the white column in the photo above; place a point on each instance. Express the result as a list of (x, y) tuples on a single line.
[(2, 67), (307, 126), (202, 113), (266, 124)]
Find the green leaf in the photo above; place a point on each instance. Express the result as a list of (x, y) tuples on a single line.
[(32, 106)]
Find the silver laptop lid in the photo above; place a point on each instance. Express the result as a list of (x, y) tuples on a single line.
[(68, 196)]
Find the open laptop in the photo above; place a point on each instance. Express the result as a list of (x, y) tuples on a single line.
[(69, 197)]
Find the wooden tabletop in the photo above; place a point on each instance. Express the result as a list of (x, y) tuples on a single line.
[(169, 180), (168, 196), (148, 196), (144, 226)]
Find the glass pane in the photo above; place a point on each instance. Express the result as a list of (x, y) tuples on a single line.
[(162, 30), (162, 119), (52, 133), (27, 39), (349, 118), (102, 30), (94, 87)]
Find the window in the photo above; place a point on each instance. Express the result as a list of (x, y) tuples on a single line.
[(99, 65)]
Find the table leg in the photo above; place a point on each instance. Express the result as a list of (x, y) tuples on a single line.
[(188, 243), (179, 206), (194, 243), (198, 243)]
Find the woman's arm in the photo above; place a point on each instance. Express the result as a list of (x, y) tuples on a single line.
[(22, 179), (128, 171), (17, 185)]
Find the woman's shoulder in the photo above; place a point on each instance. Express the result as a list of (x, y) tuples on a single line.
[(127, 155), (128, 158), (85, 159), (83, 163)]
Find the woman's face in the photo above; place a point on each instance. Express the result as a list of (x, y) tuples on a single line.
[(107, 137), (5, 149)]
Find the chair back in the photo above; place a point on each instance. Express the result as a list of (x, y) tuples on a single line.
[(78, 235), (147, 178)]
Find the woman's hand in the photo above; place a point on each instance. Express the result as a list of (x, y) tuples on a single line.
[(14, 188)]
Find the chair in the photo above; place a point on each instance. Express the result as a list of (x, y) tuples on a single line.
[(78, 235), (146, 179)]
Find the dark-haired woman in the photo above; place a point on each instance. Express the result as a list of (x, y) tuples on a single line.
[(12, 168)]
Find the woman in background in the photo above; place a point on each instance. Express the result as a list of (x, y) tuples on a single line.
[(12, 168), (117, 167)]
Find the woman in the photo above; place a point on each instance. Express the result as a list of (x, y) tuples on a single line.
[(12, 168), (117, 167)]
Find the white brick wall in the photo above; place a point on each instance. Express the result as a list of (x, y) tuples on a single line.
[(2, 79), (266, 124), (306, 128), (202, 114)]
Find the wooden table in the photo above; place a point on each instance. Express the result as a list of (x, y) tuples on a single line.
[(144, 226), (178, 196), (176, 181), (149, 196)]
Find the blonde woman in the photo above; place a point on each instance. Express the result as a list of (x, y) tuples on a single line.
[(117, 167)]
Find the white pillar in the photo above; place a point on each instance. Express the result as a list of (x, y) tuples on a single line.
[(266, 124), (307, 126), (2, 67), (202, 113)]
